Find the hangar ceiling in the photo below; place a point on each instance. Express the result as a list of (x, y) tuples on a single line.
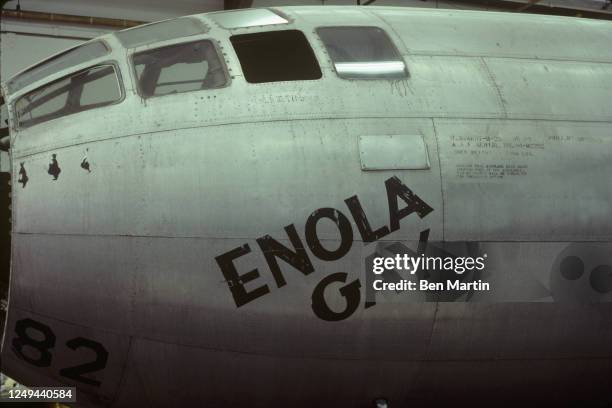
[(152, 10)]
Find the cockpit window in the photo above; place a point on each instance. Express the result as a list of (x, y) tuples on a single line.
[(84, 90), (164, 30), (179, 68), (274, 56), (362, 53), (67, 59)]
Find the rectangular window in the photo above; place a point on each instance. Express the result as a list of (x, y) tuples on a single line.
[(362, 53), (276, 56), (84, 90), (67, 59), (179, 68)]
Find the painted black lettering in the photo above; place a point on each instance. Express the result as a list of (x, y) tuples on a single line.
[(350, 292), (313, 241), (298, 258), (395, 189), (361, 220), (33, 335), (42, 346), (236, 281), (77, 372)]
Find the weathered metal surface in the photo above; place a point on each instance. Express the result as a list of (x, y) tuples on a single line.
[(125, 250)]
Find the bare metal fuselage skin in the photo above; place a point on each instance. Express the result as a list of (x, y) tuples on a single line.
[(125, 256)]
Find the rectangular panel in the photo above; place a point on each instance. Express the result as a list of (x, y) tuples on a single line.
[(393, 152)]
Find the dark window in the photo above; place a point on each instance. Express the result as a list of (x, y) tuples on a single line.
[(88, 89), (276, 56), (362, 53), (179, 68)]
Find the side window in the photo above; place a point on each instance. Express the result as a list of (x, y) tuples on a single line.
[(362, 53), (179, 68), (88, 89), (276, 56), (67, 59)]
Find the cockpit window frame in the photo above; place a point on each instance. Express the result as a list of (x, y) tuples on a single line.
[(224, 18), (151, 47), (196, 22), (13, 88), (118, 76), (392, 43)]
